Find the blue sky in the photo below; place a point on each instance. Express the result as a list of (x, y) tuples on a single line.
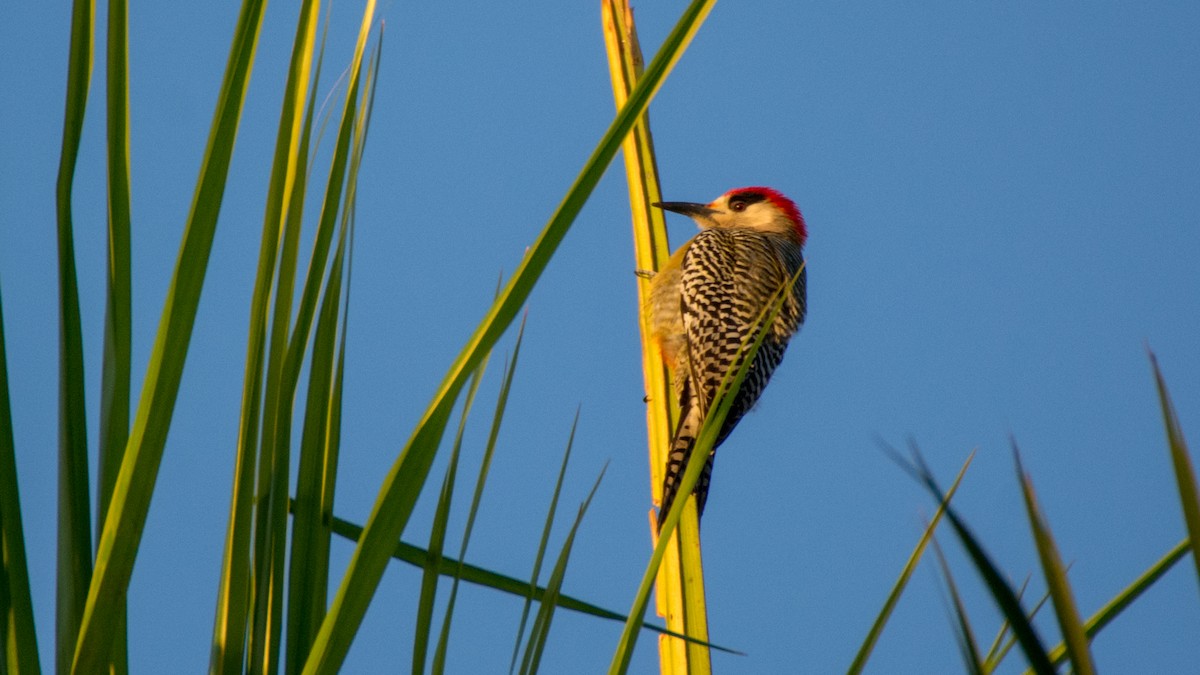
[(1002, 207)]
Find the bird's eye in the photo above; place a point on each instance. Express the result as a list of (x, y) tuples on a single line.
[(737, 205)]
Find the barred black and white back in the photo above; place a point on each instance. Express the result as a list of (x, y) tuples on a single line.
[(728, 278)]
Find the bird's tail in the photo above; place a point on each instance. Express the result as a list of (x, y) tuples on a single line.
[(677, 460)]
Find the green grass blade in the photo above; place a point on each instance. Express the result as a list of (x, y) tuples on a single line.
[(540, 631), (283, 374), (439, 659), (1004, 596), (289, 165), (433, 558), (116, 369), (19, 636), (993, 655), (401, 486), (963, 631), (74, 572), (1002, 647), (1061, 596), (114, 400), (274, 449), (135, 483), (333, 442), (1185, 475), (1114, 607), (308, 575), (542, 544), (864, 651), (437, 533)]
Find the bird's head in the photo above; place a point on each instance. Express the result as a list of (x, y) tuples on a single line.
[(752, 208)]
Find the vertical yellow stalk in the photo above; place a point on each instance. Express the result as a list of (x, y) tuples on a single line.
[(679, 590)]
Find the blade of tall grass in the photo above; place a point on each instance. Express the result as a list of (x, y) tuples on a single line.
[(308, 579), (333, 449), (74, 572), (510, 369), (540, 631), (437, 533), (1185, 475), (679, 591), (1000, 646), (126, 518), (116, 369), (402, 485), (542, 544), (114, 398), (1003, 595), (1061, 596), (308, 573), (965, 635), (706, 437), (283, 372), (1114, 607), (18, 633), (289, 163), (993, 660), (864, 651), (278, 401)]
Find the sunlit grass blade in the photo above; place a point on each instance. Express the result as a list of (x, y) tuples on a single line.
[(401, 486), (864, 652), (542, 544), (433, 557), (279, 395), (287, 174), (706, 437), (679, 590), (74, 513), (540, 631), (116, 369), (1001, 592), (1185, 475), (17, 631), (437, 533), (126, 518), (289, 168), (308, 575), (437, 539), (1122, 600), (309, 559), (308, 579), (965, 635), (283, 374), (1061, 596), (439, 658)]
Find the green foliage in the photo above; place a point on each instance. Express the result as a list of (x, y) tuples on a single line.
[(864, 652), (1077, 634), (249, 626), (252, 632), (74, 513), (20, 653)]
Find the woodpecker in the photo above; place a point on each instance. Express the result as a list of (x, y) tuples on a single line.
[(705, 304)]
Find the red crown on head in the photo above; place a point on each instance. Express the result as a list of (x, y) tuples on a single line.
[(781, 202)]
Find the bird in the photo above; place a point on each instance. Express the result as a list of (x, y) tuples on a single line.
[(707, 302)]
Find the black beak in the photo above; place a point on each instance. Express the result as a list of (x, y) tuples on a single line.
[(686, 208)]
